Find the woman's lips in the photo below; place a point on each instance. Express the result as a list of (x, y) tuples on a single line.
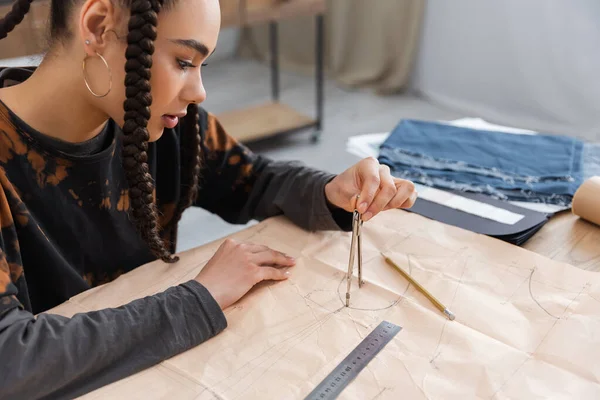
[(170, 121)]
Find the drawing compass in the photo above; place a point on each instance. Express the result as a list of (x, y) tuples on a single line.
[(355, 247)]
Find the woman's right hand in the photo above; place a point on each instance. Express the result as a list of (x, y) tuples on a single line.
[(237, 267)]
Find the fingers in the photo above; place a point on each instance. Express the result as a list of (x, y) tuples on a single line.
[(271, 257), (385, 194), (271, 273), (406, 195), (410, 201), (258, 254), (254, 248), (370, 178)]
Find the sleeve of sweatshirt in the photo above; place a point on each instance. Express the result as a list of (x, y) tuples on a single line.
[(239, 185), (57, 357)]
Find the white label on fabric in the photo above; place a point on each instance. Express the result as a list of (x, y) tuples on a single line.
[(470, 206)]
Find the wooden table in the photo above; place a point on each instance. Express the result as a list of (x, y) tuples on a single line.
[(569, 239)]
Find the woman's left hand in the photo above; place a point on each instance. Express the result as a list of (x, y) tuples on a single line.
[(378, 189)]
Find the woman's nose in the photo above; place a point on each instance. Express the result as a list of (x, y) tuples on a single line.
[(195, 92)]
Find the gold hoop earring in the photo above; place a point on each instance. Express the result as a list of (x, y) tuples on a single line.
[(109, 74)]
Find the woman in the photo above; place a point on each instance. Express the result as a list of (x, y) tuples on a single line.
[(96, 173)]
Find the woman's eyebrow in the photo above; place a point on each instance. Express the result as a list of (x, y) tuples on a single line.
[(193, 44)]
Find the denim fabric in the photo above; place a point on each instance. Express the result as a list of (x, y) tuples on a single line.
[(535, 168)]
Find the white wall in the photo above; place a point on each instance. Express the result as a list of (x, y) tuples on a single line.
[(533, 63)]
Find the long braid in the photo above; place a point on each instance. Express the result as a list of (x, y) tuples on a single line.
[(140, 47), (190, 162), (192, 156), (14, 17)]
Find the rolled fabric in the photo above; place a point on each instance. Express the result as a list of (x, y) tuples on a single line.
[(586, 201)]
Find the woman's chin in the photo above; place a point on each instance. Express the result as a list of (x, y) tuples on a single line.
[(155, 129), (155, 134)]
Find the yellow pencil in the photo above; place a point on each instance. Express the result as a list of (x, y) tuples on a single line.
[(416, 284)]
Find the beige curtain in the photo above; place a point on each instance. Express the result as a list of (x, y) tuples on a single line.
[(368, 43)]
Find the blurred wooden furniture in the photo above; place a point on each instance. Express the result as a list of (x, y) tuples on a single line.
[(274, 117), (29, 37)]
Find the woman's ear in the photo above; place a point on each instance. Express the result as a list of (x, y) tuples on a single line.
[(97, 19)]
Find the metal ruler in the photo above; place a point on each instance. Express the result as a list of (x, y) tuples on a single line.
[(350, 367)]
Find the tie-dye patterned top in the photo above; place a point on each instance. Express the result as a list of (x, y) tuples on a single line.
[(65, 229)]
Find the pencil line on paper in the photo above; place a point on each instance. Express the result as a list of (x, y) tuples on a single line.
[(281, 356), (534, 299), (301, 335), (378, 395)]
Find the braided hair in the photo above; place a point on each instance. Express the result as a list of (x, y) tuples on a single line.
[(140, 48)]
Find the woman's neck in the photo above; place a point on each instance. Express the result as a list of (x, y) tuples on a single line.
[(52, 101)]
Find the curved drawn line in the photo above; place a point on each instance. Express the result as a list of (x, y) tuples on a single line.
[(364, 309), (533, 298), (377, 309)]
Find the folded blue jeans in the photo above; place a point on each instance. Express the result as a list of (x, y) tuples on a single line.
[(536, 168)]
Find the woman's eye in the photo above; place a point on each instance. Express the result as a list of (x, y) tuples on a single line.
[(184, 64)]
